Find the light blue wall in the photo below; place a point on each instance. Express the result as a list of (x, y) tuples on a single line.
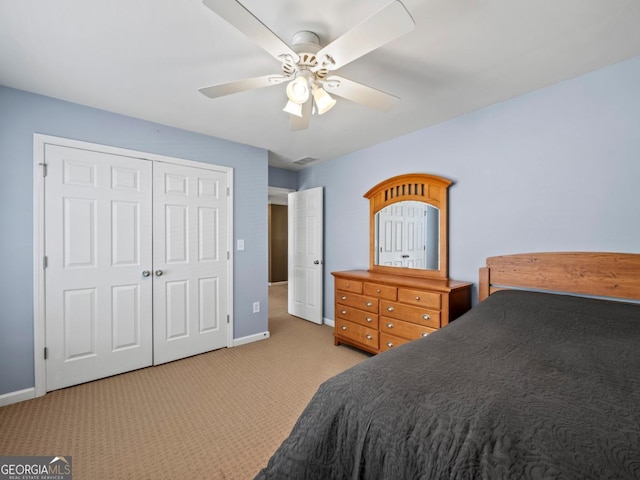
[(23, 114), (281, 178), (557, 169)]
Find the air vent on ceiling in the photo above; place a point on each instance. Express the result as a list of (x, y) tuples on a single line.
[(305, 160)]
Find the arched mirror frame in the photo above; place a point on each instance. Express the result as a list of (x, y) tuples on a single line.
[(419, 187)]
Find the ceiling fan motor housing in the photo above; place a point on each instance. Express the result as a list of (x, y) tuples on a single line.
[(306, 44)]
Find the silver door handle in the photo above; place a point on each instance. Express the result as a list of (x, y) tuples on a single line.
[(316, 262), (159, 273), (146, 273)]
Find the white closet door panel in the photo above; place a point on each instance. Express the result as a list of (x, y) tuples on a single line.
[(177, 309), (98, 233), (209, 232), (190, 261), (125, 310), (79, 323), (209, 297), (124, 234), (176, 234)]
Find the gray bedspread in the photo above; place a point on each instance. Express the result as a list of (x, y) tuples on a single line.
[(524, 386)]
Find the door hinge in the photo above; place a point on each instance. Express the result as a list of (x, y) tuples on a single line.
[(228, 255), (45, 262), (228, 191), (46, 353), (44, 169), (227, 318)]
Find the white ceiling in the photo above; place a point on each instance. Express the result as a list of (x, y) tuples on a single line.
[(147, 59)]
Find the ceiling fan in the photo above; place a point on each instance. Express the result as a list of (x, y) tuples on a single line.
[(306, 66)]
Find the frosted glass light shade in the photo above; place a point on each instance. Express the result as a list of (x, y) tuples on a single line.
[(324, 101), (293, 108), (298, 90)]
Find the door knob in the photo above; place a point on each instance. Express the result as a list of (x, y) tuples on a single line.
[(316, 262), (159, 273), (146, 273)]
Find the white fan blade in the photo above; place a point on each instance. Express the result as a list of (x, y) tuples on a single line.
[(241, 18), (379, 29), (223, 89), (301, 123), (357, 92)]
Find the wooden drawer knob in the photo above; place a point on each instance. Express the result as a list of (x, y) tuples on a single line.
[(390, 308), (426, 316), (378, 290), (343, 297), (368, 319), (368, 304), (343, 327), (368, 337), (389, 325), (343, 312), (390, 344), (417, 298), (424, 334)]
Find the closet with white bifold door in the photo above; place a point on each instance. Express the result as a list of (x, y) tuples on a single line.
[(137, 268)]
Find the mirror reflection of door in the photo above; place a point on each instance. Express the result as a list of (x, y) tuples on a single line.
[(407, 235)]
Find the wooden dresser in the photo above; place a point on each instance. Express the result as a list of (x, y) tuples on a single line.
[(378, 311)]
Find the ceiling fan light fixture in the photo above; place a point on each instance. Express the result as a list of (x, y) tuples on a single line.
[(324, 101), (298, 90), (293, 108)]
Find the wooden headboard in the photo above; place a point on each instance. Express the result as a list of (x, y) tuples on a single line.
[(615, 275)]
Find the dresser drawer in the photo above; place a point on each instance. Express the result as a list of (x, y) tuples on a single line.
[(354, 286), (389, 341), (421, 298), (419, 315), (406, 330), (381, 291), (370, 304), (357, 333), (357, 316)]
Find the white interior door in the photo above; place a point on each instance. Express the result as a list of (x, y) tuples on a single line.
[(98, 233), (190, 261), (305, 254)]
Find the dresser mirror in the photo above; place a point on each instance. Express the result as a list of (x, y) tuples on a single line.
[(408, 225)]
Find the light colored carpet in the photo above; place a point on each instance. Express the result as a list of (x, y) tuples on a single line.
[(219, 415)]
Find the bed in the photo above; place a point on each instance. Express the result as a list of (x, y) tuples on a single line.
[(527, 384)]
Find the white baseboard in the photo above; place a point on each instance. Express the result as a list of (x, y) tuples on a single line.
[(17, 396), (250, 338), (328, 321)]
